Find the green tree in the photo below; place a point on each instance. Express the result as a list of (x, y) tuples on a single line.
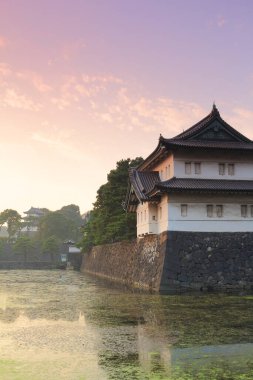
[(108, 222), (55, 223), (2, 244), (23, 245), (13, 220), (72, 213), (51, 245)]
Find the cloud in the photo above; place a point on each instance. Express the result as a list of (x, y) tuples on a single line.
[(21, 89), (60, 103), (71, 49), (101, 79), (59, 142), (102, 100), (129, 111), (242, 119), (5, 69), (12, 98), (3, 42), (108, 100), (221, 21), (39, 83)]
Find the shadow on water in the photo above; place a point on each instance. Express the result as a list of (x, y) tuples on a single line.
[(65, 325)]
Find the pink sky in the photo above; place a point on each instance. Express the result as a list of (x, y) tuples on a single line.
[(87, 83)]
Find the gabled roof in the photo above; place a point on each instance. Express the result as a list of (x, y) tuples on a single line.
[(141, 183), (212, 127), (212, 132)]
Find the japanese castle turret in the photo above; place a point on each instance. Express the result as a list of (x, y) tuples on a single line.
[(199, 181)]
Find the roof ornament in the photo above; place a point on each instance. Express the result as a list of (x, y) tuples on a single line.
[(215, 110), (161, 138)]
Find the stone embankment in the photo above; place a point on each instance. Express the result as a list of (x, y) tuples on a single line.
[(210, 260), (138, 263), (201, 261)]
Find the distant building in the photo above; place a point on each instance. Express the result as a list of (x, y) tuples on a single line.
[(31, 220), (199, 181)]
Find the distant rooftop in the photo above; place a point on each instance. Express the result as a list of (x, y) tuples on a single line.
[(35, 211)]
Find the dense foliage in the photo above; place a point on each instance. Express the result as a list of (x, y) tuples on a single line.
[(64, 224), (51, 245), (107, 221), (23, 244), (13, 221)]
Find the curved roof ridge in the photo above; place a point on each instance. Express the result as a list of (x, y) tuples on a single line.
[(214, 113), (212, 116)]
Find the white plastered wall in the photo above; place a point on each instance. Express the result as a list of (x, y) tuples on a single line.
[(197, 219), (145, 222), (243, 165), (152, 218), (168, 163)]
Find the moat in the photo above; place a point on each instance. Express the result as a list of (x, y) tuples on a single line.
[(67, 325)]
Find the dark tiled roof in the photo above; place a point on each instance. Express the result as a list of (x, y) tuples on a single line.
[(205, 185), (208, 144), (143, 182), (214, 115), (212, 132)]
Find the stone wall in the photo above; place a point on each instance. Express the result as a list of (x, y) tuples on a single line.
[(201, 261), (138, 263), (209, 260)]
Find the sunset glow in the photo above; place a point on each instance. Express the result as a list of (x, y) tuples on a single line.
[(84, 84)]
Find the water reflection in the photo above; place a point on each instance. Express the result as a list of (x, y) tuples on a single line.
[(63, 325)]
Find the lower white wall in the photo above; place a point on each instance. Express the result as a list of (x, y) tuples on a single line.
[(198, 221), (146, 224), (152, 218)]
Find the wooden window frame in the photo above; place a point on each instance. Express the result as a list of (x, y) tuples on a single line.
[(223, 166), (244, 211), (184, 210), (188, 167), (209, 211), (219, 211), (197, 165)]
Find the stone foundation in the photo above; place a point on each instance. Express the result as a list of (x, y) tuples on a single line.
[(194, 260), (138, 263), (211, 260)]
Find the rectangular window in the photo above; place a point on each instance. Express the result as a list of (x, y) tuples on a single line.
[(197, 167), (184, 210), (153, 217), (168, 171), (251, 211), (161, 175), (244, 210), (161, 212), (219, 211), (187, 168), (231, 169), (209, 211), (221, 169)]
